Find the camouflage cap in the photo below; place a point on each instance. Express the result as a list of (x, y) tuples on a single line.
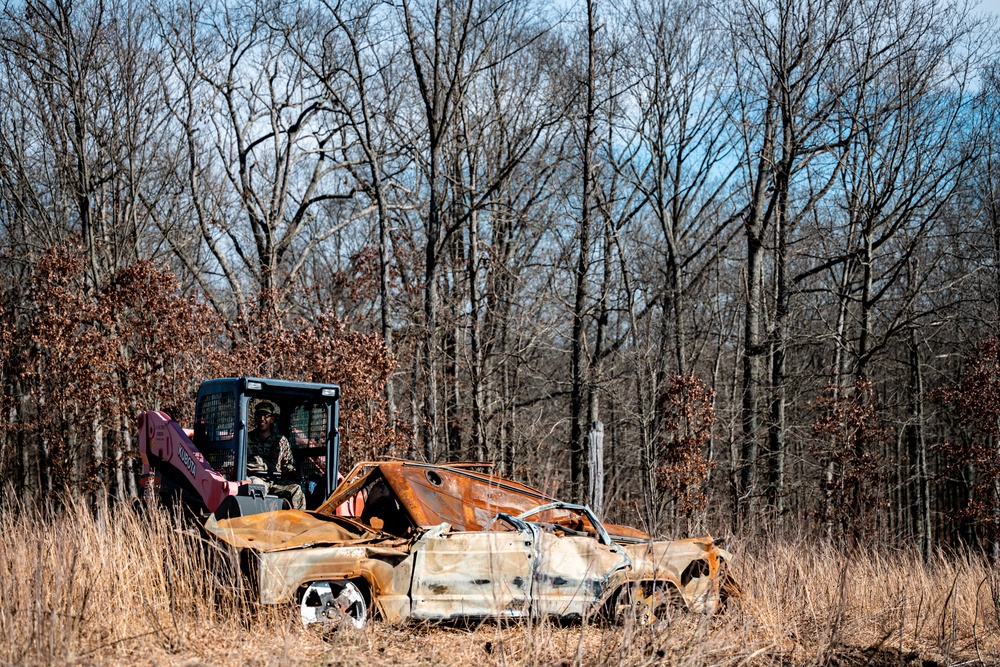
[(266, 408)]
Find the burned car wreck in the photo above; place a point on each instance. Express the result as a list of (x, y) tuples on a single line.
[(411, 541)]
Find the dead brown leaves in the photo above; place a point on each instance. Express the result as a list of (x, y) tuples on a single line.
[(687, 415), (851, 433), (974, 405), (82, 359)]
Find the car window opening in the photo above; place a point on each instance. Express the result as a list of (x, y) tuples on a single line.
[(695, 569), (381, 505)]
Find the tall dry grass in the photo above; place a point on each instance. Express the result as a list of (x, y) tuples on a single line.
[(116, 587)]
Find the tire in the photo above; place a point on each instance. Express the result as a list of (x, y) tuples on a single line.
[(332, 605), (648, 604)]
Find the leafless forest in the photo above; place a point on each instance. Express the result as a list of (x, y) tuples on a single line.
[(758, 240)]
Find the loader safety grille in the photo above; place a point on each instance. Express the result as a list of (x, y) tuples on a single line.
[(215, 431), (308, 430)]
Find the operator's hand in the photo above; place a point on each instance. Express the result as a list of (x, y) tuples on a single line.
[(256, 465), (285, 466)]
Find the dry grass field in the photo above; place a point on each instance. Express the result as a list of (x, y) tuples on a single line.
[(128, 589)]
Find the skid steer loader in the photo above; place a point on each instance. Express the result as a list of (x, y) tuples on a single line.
[(205, 468)]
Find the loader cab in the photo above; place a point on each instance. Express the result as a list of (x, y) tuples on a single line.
[(308, 416)]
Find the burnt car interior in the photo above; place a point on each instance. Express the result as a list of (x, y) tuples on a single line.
[(382, 510)]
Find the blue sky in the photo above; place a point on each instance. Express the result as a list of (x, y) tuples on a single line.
[(990, 6)]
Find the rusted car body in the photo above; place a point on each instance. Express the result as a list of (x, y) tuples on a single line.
[(435, 542)]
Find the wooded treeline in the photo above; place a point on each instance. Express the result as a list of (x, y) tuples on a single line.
[(758, 239)]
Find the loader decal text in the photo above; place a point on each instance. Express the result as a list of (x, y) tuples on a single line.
[(186, 460)]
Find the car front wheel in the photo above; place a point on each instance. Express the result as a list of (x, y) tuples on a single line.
[(333, 605)]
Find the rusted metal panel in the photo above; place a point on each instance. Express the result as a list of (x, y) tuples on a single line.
[(692, 566), (572, 572), (471, 574), (289, 529), (463, 498), (387, 572)]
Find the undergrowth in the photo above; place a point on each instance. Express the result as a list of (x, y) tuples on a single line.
[(101, 586)]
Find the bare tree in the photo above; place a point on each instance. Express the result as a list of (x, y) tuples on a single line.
[(255, 118), (81, 125), (356, 62), (452, 47), (902, 169), (790, 75), (80, 146), (671, 147)]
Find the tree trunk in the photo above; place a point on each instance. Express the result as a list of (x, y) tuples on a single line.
[(595, 495), (776, 427), (578, 445), (751, 378), (451, 388), (429, 426), (383, 290), (917, 451), (477, 442), (865, 304), (98, 454), (27, 446), (755, 224)]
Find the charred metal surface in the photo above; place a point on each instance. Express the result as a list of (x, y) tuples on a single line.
[(289, 529), (444, 542), (471, 574), (463, 498)]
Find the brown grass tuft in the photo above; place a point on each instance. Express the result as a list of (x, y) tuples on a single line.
[(116, 587)]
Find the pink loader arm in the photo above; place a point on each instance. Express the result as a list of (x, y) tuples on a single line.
[(162, 437)]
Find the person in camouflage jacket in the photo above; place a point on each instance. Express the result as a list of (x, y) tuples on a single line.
[(269, 457)]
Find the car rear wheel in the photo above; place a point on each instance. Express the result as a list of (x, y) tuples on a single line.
[(334, 604), (647, 604)]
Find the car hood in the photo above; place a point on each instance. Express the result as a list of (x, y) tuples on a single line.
[(290, 529)]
